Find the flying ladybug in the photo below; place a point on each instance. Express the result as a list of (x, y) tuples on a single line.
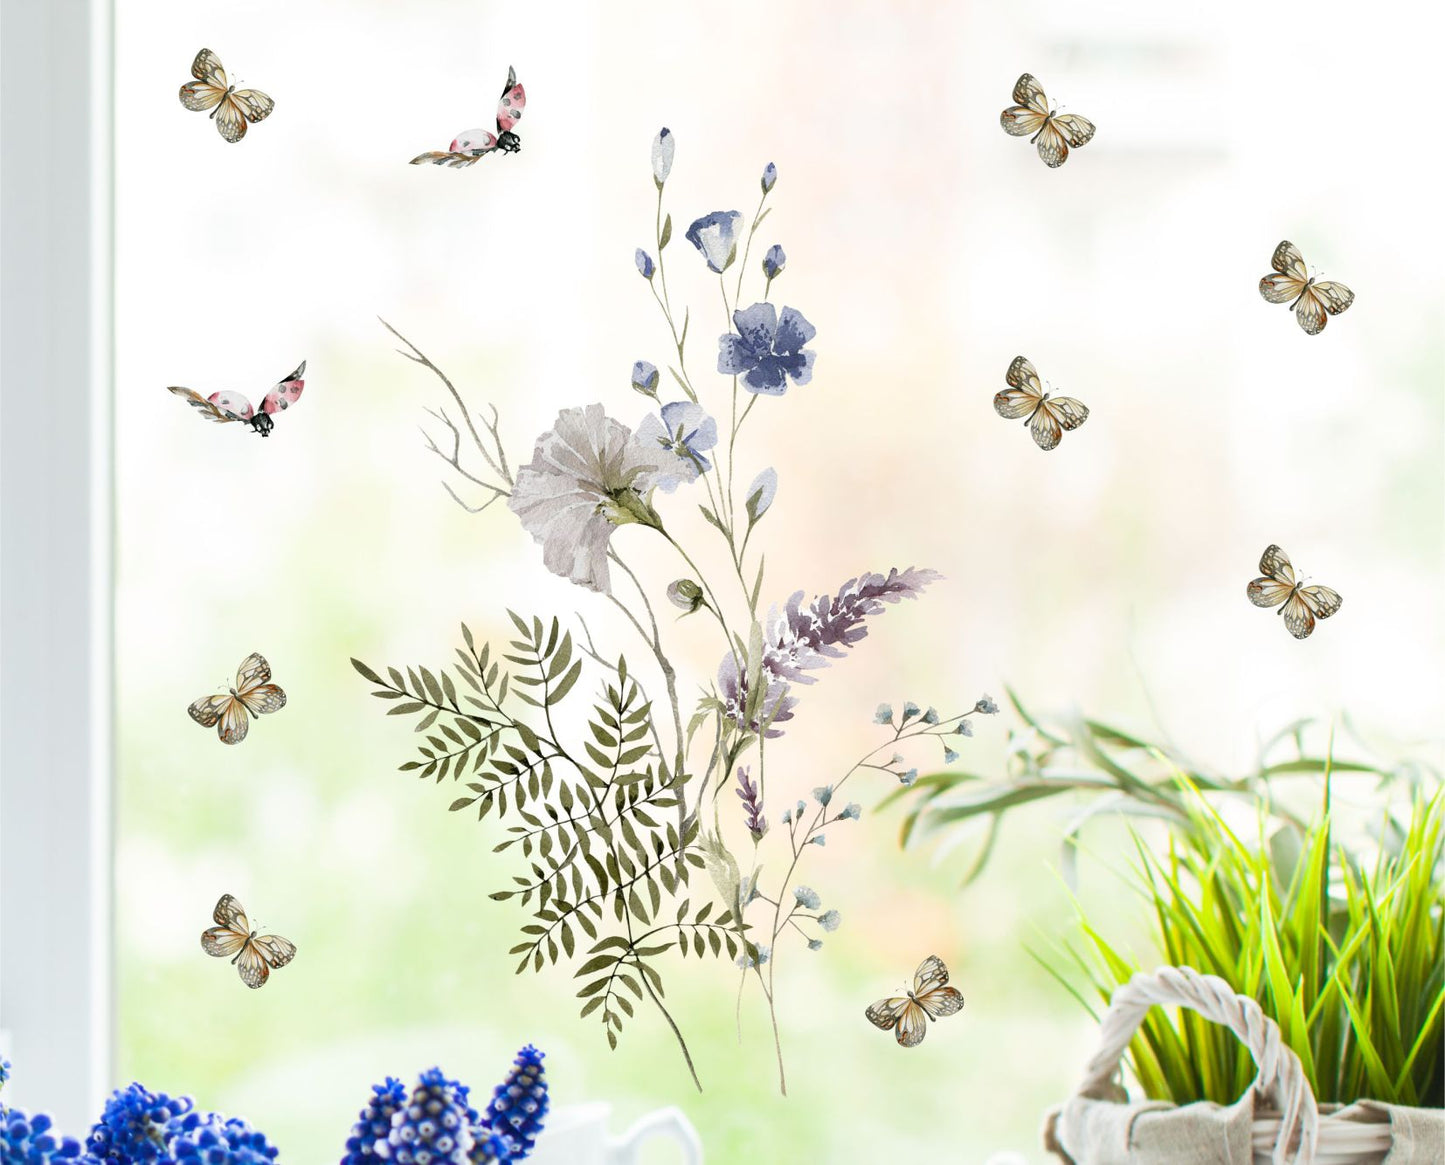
[(471, 144), (224, 407)]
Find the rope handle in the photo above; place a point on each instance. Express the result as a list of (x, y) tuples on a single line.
[(1280, 1082)]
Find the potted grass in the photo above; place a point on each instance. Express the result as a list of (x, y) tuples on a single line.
[(1299, 1014)]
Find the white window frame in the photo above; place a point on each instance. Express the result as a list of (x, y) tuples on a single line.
[(56, 503)]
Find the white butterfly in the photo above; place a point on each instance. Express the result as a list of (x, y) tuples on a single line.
[(1053, 131), (254, 955), (1312, 299), (1046, 416), (931, 997), (253, 693), (231, 108), (1302, 604)]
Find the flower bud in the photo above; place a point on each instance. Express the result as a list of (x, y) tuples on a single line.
[(645, 377), (770, 177), (662, 148), (645, 266), (774, 262), (686, 595)]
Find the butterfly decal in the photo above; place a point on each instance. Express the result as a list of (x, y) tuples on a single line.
[(231, 108), (472, 144), (1312, 298), (254, 694), (224, 407), (1302, 604), (1053, 131), (1046, 416), (254, 955), (931, 997)]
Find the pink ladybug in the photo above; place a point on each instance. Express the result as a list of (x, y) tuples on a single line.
[(471, 144), (223, 407)]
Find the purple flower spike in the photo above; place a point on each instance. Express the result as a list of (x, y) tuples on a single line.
[(752, 805)]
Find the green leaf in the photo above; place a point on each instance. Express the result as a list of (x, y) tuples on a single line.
[(666, 236), (366, 672)]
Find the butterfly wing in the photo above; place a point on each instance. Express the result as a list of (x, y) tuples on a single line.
[(941, 1001), (251, 965), (1052, 147), (1310, 313), (1290, 274), (233, 404), (262, 700), (209, 85), (234, 724), (207, 410), (1024, 392), (1272, 589), (912, 1026), (1322, 601), (1297, 616), (287, 392), (1336, 297), (1045, 428), (231, 930), (1029, 109), (885, 1012), (230, 119), (231, 914), (253, 672), (208, 709), (1068, 412), (254, 105), (277, 951), (512, 104), (931, 973), (1076, 130)]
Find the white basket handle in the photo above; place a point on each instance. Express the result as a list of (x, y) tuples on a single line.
[(1281, 1080)]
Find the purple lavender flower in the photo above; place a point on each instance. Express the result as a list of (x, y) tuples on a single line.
[(715, 236), (752, 805), (800, 640), (767, 349), (773, 262), (644, 263)]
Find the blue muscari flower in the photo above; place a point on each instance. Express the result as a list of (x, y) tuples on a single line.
[(683, 434), (931, 716), (519, 1104), (815, 944), (770, 177), (986, 706), (715, 236), (774, 262), (4, 1071), (374, 1122), (908, 778), (964, 728), (488, 1147), (210, 1139), (27, 1140), (830, 920), (133, 1125), (823, 794), (644, 378), (884, 715), (434, 1127), (767, 349), (910, 710), (807, 897), (644, 262), (853, 812)]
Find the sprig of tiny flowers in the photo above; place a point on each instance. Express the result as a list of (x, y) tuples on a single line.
[(519, 1103)]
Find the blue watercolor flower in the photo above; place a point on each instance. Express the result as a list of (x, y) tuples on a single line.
[(760, 494), (679, 438), (815, 944), (830, 920), (767, 350), (662, 150), (774, 262), (853, 812), (645, 378), (986, 706), (906, 779), (807, 897), (519, 1104), (715, 236), (770, 177), (644, 262), (964, 728), (817, 839), (910, 710), (374, 1122), (949, 756), (823, 794), (884, 715)]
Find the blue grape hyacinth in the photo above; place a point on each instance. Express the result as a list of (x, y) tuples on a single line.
[(373, 1123), (434, 1127), (211, 1139), (133, 1126), (519, 1104), (27, 1140)]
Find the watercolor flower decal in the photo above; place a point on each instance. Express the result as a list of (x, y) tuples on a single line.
[(767, 349), (588, 476), (682, 435), (715, 236)]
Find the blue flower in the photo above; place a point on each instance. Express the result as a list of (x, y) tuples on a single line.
[(830, 921), (760, 495), (766, 350), (644, 263), (27, 1140), (931, 716), (807, 897), (910, 710), (964, 728), (210, 1139), (884, 715), (434, 1127), (662, 149), (680, 439), (374, 1122), (906, 779), (819, 839), (774, 262), (815, 944), (489, 1147), (747, 962), (770, 177), (949, 756), (644, 378), (519, 1104), (823, 794), (986, 706), (133, 1125), (4, 1071), (853, 812), (715, 236), (787, 816)]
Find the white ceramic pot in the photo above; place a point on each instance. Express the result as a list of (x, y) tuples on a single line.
[(577, 1135)]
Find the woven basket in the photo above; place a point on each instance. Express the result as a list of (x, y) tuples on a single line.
[(1276, 1122)]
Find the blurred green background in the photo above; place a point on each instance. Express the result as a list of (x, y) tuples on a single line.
[(929, 249)]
